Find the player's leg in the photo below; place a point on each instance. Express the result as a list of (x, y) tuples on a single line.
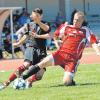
[(53, 59), (36, 77), (14, 75), (69, 74), (17, 73), (28, 57), (37, 57), (48, 61), (27, 62)]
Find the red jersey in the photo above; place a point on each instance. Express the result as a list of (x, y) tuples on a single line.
[(75, 40), (62, 26)]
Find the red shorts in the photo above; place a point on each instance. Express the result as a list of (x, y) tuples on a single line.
[(66, 60)]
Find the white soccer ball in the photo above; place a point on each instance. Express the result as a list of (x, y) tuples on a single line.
[(19, 84)]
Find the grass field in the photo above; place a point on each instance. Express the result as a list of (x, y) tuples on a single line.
[(51, 88)]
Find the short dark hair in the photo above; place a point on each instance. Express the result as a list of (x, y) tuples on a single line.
[(38, 10)]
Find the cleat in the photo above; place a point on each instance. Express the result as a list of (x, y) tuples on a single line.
[(70, 84), (73, 83), (6, 83)]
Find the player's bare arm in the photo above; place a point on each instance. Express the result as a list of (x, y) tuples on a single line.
[(43, 26), (44, 36), (96, 48), (21, 41)]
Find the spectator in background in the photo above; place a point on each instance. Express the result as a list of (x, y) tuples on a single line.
[(59, 19), (16, 16), (8, 44), (6, 28), (23, 11), (23, 19), (1, 55)]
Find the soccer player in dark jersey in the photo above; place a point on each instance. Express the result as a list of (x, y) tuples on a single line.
[(36, 32)]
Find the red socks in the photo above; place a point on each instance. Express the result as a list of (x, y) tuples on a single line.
[(32, 78), (20, 69), (12, 77)]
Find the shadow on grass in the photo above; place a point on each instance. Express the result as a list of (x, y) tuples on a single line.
[(80, 84), (85, 84), (61, 85)]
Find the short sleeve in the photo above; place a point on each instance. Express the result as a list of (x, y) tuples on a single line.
[(90, 36), (60, 30)]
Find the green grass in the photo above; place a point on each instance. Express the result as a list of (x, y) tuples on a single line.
[(51, 88)]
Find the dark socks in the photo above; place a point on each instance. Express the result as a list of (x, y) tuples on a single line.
[(33, 70)]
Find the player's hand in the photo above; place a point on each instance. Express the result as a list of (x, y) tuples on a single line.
[(16, 44), (37, 19), (34, 34)]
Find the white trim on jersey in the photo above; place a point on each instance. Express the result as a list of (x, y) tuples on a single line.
[(88, 33), (62, 30)]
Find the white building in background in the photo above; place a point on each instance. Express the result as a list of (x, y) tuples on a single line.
[(52, 7)]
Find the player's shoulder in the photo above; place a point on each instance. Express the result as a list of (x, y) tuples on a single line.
[(46, 22)]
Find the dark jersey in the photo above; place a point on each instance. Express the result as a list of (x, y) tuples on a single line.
[(36, 42)]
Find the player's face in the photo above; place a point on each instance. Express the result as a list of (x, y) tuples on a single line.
[(35, 15), (77, 21)]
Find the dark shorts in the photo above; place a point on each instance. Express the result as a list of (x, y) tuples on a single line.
[(34, 55)]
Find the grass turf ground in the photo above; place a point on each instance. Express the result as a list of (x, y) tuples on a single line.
[(51, 88)]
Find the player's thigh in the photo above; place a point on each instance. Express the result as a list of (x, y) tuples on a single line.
[(47, 61), (38, 56)]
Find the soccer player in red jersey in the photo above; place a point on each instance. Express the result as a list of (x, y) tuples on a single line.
[(70, 52)]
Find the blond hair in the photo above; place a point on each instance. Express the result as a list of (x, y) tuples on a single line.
[(81, 14)]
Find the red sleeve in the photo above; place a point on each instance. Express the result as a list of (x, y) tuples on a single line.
[(57, 32), (93, 39)]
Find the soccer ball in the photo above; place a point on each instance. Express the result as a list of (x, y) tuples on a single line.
[(19, 84)]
